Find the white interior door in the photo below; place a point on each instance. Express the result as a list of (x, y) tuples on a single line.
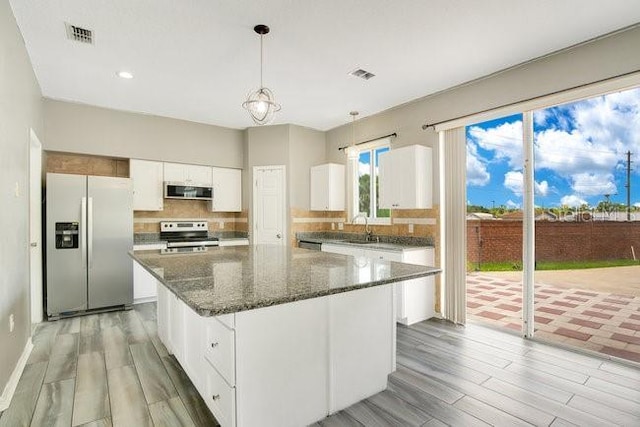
[(269, 216), (35, 227)]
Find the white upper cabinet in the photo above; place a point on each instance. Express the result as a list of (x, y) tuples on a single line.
[(327, 187), (227, 190), (147, 177), (406, 179), (190, 174)]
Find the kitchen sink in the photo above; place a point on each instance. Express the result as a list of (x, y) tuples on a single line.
[(360, 242)]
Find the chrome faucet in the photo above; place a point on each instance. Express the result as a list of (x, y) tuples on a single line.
[(367, 229)]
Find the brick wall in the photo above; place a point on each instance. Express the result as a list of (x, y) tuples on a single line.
[(500, 241)]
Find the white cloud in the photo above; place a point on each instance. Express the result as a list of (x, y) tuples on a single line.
[(593, 184), (540, 117), (569, 153), (572, 201), (504, 140), (512, 205), (637, 204), (542, 188), (477, 173), (364, 168), (514, 181)]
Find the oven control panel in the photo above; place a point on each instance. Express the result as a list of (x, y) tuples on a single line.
[(177, 226)]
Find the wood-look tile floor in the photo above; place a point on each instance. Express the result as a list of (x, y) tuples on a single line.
[(111, 369), (107, 369), (474, 376)]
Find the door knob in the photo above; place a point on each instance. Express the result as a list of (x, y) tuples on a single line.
[(33, 244), (279, 236)]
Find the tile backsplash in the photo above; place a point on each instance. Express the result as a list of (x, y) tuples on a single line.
[(176, 210)]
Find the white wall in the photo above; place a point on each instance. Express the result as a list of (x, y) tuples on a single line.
[(306, 149), (296, 147), (264, 146), (588, 63), (77, 128), (20, 110)]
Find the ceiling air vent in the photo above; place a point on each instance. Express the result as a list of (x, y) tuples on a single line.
[(79, 34), (363, 74)]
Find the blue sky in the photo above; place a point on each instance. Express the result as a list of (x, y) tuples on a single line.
[(580, 152)]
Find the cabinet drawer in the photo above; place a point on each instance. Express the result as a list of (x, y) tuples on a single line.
[(385, 255), (220, 349), (220, 398)]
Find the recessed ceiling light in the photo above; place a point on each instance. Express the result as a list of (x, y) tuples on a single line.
[(124, 74)]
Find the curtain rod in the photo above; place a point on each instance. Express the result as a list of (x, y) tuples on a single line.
[(511, 104), (391, 135)]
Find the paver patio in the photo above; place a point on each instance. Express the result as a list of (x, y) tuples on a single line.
[(607, 323)]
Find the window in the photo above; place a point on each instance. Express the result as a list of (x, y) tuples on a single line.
[(364, 176)]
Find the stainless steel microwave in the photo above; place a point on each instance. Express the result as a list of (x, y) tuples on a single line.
[(183, 190)]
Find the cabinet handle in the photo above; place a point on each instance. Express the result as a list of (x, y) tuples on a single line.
[(214, 344), (215, 397)]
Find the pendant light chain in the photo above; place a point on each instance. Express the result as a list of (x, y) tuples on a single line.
[(261, 60)]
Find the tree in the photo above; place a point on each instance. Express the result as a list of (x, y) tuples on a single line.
[(364, 194)]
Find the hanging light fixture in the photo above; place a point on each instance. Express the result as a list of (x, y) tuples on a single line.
[(351, 150), (261, 103), (353, 115)]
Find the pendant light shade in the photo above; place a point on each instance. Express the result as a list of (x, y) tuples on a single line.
[(261, 103)]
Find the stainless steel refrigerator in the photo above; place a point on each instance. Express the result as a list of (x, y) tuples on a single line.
[(89, 230)]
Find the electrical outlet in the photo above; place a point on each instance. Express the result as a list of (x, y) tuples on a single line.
[(333, 225), (17, 189), (341, 226), (221, 224), (411, 228), (12, 323)]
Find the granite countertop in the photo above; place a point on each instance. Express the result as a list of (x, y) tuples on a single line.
[(383, 242), (233, 279)]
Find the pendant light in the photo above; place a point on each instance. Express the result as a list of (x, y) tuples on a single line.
[(351, 150), (261, 103), (353, 115)]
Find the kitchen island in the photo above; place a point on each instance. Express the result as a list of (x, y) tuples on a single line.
[(278, 336)]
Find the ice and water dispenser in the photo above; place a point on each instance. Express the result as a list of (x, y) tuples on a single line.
[(66, 235)]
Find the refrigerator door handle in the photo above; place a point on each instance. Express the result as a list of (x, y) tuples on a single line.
[(83, 225), (90, 231)]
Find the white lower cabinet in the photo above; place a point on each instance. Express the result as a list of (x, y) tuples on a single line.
[(220, 398), (144, 285), (220, 349), (285, 365), (234, 242), (415, 299), (177, 327)]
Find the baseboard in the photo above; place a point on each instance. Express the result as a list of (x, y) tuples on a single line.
[(145, 299), (10, 388)]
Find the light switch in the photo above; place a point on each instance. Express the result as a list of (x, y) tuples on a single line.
[(17, 190), (221, 224), (410, 228), (341, 226)]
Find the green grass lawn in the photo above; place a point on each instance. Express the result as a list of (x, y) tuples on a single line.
[(551, 265)]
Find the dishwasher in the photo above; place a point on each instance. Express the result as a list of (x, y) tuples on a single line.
[(314, 246)]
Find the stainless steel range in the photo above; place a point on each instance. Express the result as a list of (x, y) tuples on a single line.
[(186, 236)]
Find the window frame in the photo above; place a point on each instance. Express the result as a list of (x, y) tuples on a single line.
[(353, 181)]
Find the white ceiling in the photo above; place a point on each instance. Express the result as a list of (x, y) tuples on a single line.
[(197, 59)]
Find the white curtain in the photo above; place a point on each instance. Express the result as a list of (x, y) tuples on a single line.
[(453, 224)]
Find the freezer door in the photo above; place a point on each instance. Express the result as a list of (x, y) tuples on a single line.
[(66, 266), (109, 238)]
